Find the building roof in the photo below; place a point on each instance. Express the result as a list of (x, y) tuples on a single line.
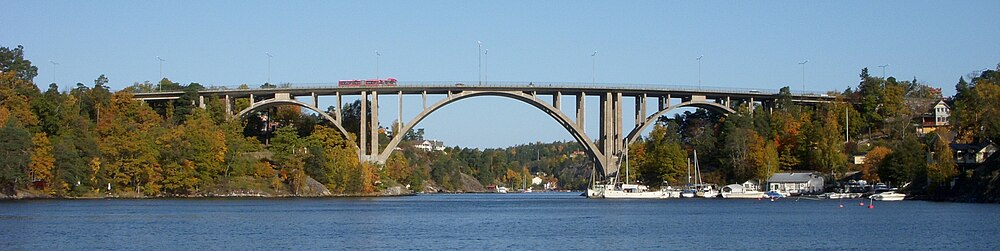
[(970, 147), (791, 177)]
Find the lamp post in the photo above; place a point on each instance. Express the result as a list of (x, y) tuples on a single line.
[(593, 68), (377, 55), (804, 75), (699, 69), (883, 69), (269, 56), (480, 44), (161, 66), (54, 63)]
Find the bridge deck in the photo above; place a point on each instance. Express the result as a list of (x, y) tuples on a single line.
[(537, 88)]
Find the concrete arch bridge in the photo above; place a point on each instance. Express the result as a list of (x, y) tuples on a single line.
[(606, 148)]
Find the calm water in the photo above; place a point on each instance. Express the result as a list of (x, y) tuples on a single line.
[(536, 221)]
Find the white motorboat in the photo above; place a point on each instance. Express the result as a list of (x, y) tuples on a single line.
[(889, 196), (688, 193), (707, 192), (501, 189), (736, 191), (634, 191)]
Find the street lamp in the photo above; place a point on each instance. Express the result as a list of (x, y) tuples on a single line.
[(804, 75), (883, 69), (54, 63), (699, 69), (593, 68), (268, 66), (377, 55), (161, 66), (480, 79)]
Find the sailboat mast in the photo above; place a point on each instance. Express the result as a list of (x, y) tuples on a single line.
[(697, 169), (689, 172), (626, 163)]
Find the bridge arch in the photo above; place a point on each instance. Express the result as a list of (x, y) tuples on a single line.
[(577, 133), (274, 102), (712, 106)]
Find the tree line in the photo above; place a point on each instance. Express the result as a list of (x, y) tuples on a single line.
[(90, 141)]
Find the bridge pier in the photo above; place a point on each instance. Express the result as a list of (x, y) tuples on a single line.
[(581, 103), (338, 110), (362, 134), (610, 131), (229, 107), (373, 124)]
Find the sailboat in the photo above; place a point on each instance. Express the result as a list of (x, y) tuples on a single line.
[(703, 190), (690, 191), (627, 190)]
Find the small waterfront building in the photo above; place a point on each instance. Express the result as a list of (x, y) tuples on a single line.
[(795, 183), (536, 180), (972, 153), (750, 185)]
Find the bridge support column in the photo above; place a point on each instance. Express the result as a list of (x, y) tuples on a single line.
[(251, 99), (373, 124), (557, 100), (399, 115), (610, 138), (751, 106), (315, 100), (229, 107), (338, 110), (423, 94), (581, 103), (363, 133), (640, 110), (201, 102)]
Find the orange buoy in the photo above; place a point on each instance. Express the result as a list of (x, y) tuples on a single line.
[(861, 203), (871, 206)]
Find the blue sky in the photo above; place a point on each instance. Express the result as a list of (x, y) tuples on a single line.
[(745, 44)]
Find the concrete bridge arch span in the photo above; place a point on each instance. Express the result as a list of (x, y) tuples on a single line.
[(573, 128), (711, 106), (275, 102)]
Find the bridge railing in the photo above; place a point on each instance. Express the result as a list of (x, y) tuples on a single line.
[(527, 84)]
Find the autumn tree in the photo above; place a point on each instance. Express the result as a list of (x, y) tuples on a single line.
[(942, 168), (42, 161), (128, 150), (873, 160)]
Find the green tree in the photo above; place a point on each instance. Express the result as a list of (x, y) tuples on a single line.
[(12, 60), (15, 150)]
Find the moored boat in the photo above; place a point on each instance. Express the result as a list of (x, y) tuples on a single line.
[(888, 196), (737, 191), (633, 191)]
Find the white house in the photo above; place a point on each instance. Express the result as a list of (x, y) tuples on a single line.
[(536, 180), (430, 145), (934, 118), (796, 183)]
